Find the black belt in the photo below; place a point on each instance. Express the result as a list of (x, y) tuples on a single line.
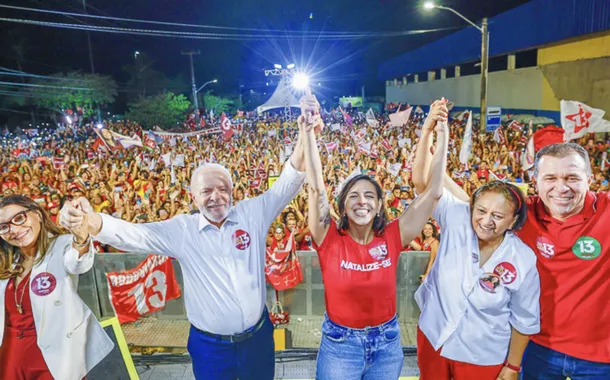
[(240, 337)]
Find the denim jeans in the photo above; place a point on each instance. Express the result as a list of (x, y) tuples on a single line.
[(371, 353), (542, 363)]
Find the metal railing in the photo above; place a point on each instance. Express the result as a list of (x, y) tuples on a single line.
[(305, 300)]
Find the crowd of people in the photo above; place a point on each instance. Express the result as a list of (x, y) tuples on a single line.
[(516, 278), (137, 185)]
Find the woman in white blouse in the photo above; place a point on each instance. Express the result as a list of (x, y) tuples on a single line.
[(47, 331), (480, 301)]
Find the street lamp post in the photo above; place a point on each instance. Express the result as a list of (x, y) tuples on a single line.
[(484, 57), (206, 83)]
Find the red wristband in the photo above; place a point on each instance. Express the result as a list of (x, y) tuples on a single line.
[(512, 367)]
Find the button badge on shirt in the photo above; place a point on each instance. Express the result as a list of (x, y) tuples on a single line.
[(506, 271), (489, 282), (241, 239), (545, 247), (379, 253), (587, 248)]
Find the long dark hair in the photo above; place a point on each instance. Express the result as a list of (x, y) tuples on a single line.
[(11, 255), (512, 193), (379, 222), (434, 231)]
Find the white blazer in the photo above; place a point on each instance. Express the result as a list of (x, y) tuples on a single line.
[(71, 340)]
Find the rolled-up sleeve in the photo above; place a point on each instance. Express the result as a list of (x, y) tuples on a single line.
[(525, 304), (273, 201), (75, 264), (163, 238)]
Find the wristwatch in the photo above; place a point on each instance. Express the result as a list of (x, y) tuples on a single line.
[(512, 367)]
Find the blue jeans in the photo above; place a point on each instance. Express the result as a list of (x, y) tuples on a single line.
[(253, 359), (370, 353), (542, 363)]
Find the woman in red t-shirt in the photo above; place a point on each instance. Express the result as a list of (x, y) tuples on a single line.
[(358, 258)]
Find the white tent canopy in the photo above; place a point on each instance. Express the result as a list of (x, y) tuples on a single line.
[(282, 96)]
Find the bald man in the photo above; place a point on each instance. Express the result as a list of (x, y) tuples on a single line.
[(222, 255)]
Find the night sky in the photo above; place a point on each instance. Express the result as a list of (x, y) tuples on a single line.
[(234, 63)]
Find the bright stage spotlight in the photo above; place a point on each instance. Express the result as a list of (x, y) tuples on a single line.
[(300, 81)]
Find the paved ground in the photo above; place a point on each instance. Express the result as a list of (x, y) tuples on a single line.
[(298, 370)]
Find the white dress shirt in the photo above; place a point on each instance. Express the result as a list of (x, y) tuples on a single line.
[(461, 311), (223, 268)]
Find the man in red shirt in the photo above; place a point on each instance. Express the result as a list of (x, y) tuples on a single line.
[(567, 227)]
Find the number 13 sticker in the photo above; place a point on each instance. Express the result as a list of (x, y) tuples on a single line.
[(587, 248)]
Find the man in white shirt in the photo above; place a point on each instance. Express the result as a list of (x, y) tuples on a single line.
[(222, 255)]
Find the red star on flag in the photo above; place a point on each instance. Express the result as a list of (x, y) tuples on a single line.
[(581, 119)]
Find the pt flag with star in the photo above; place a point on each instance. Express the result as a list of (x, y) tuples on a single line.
[(578, 119)]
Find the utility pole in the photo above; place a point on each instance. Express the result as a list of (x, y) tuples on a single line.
[(484, 63), (195, 102), (89, 41)]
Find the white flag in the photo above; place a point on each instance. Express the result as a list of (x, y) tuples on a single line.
[(467, 141), (527, 158), (394, 169), (399, 118), (167, 159), (152, 165), (578, 119), (370, 119), (178, 160), (335, 127), (419, 110)]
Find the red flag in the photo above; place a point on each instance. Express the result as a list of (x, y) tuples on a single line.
[(331, 146), (144, 289), (58, 162), (386, 144), (282, 267), (515, 126)]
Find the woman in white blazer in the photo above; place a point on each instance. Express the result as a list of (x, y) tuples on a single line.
[(47, 330)]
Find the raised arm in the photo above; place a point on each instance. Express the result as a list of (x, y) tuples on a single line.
[(412, 221), (318, 219), (423, 156)]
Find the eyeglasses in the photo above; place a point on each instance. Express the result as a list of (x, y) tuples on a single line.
[(17, 220)]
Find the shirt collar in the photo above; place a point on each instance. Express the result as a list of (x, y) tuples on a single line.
[(203, 222), (587, 211)]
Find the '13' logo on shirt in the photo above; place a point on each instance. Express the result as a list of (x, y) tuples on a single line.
[(379, 253), (506, 271), (241, 239), (545, 247)]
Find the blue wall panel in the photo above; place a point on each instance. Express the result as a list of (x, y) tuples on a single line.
[(528, 26)]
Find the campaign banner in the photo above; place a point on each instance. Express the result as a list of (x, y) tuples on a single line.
[(355, 101), (168, 135), (144, 289)]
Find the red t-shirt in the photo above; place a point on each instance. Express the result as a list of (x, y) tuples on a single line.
[(574, 266), (360, 280)]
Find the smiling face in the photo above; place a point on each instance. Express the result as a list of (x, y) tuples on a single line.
[(26, 234), (562, 184), (492, 215), (362, 203), (211, 191), (428, 231)]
